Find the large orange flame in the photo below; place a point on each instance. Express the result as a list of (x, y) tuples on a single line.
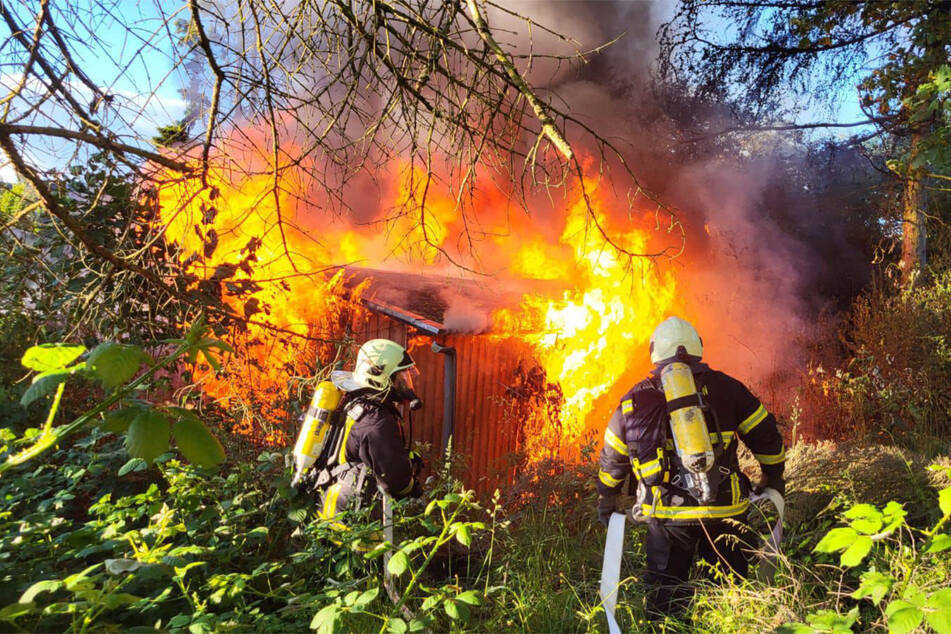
[(589, 337)]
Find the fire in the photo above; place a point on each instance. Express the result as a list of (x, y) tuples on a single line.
[(592, 340), (589, 337)]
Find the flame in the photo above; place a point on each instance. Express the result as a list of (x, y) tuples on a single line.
[(592, 340), (588, 338)]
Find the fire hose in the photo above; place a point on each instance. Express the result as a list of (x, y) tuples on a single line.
[(614, 547)]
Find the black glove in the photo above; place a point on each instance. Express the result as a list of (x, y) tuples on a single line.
[(606, 506)]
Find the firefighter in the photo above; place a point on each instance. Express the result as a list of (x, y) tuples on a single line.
[(640, 441), (372, 452)]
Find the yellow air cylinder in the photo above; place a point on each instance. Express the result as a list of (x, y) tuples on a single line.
[(689, 427), (316, 428)]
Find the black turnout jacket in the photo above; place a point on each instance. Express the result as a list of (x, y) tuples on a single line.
[(373, 438), (638, 442)]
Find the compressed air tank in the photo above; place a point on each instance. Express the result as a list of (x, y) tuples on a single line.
[(315, 428), (689, 428)]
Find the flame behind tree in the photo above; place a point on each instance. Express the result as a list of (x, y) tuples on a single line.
[(585, 322)]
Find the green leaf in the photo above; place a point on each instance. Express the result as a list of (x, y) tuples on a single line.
[(148, 435), (462, 534), (903, 617), (14, 610), (115, 363), (49, 585), (117, 421), (836, 539), (195, 441), (396, 625), (940, 542), (938, 613), (367, 597), (944, 501), (51, 356), (855, 553), (325, 619), (865, 518), (894, 515), (452, 609), (43, 384), (398, 563), (874, 586), (133, 464), (420, 624), (469, 596)]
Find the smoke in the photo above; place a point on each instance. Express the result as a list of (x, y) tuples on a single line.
[(764, 253)]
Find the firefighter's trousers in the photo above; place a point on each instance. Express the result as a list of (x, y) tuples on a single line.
[(671, 547)]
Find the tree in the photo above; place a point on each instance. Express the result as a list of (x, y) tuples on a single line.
[(769, 52), (337, 88)]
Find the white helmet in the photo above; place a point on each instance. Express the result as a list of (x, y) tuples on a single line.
[(670, 335), (377, 361)]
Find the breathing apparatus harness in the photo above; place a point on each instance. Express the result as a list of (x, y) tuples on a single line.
[(320, 451)]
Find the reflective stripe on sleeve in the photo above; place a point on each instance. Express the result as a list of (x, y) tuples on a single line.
[(735, 487), (753, 420), (774, 458), (627, 406), (607, 479), (611, 440)]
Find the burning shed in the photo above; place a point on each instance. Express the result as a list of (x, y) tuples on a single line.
[(477, 385)]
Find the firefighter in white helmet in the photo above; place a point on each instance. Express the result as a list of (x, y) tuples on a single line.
[(676, 432), (371, 453)]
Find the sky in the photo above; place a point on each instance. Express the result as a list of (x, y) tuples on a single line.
[(127, 50)]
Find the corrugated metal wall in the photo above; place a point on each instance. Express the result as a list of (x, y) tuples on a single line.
[(486, 425)]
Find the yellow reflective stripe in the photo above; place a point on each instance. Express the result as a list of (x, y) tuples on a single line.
[(607, 479), (771, 458), (615, 443), (727, 438), (669, 444), (627, 406), (693, 512), (649, 468), (735, 487), (407, 488), (330, 502), (342, 458), (753, 420)]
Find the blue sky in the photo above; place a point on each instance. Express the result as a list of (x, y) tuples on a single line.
[(125, 46)]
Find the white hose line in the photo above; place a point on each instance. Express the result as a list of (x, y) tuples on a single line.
[(611, 568), (773, 548)]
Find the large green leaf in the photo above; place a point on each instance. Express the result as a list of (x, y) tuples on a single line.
[(148, 435), (117, 421), (938, 613), (51, 356), (856, 552), (944, 500), (836, 539), (903, 617), (398, 563), (43, 384), (194, 440), (875, 586), (116, 363)]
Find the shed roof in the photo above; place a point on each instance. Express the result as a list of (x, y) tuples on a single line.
[(436, 304)]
